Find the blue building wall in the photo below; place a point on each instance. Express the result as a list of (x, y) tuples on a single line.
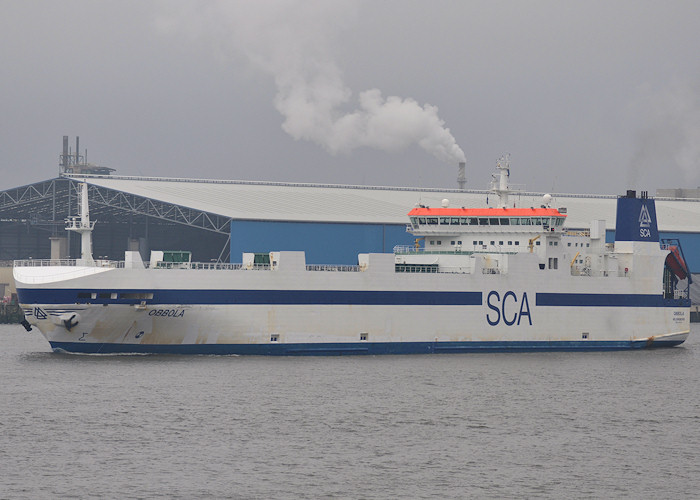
[(324, 243)]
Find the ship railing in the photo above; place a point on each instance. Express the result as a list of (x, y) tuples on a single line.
[(215, 266), (490, 270), (67, 263), (332, 268)]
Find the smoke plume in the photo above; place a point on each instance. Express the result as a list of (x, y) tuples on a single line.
[(670, 136), (292, 41)]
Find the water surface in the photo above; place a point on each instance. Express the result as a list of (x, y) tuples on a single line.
[(549, 425)]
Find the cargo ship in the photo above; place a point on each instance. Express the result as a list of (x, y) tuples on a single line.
[(498, 278)]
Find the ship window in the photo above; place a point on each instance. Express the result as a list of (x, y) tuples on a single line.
[(510, 242), (104, 295), (421, 220), (537, 221), (493, 221), (584, 335), (439, 242), (464, 221), (454, 221), (505, 221), (452, 243), (459, 242), (500, 243), (432, 242), (515, 221), (556, 243), (474, 242), (588, 245), (481, 242), (493, 242), (560, 221), (432, 220), (473, 221), (517, 243), (483, 221), (550, 243), (525, 221), (568, 244), (363, 336), (537, 243), (274, 337), (444, 220)]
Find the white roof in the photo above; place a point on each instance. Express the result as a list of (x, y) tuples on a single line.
[(249, 200)]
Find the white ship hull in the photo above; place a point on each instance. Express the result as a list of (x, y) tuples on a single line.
[(375, 311)]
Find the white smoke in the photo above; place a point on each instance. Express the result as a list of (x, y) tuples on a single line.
[(292, 41), (670, 133)]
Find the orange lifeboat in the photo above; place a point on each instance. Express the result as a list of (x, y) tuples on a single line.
[(676, 263)]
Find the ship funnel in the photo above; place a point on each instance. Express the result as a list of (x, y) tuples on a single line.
[(636, 218)]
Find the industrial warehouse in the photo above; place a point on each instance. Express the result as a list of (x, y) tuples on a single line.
[(218, 220)]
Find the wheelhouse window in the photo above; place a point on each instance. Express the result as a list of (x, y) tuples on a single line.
[(493, 221), (444, 220), (515, 221), (454, 221), (483, 221), (432, 221)]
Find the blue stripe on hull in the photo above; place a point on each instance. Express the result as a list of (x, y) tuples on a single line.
[(355, 348), (607, 300), (29, 296), (258, 297)]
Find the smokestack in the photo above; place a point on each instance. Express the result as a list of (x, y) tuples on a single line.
[(64, 156), (461, 174)]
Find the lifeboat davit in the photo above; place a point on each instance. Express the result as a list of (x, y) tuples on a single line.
[(676, 263)]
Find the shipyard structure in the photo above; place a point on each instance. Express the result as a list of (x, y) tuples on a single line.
[(219, 220)]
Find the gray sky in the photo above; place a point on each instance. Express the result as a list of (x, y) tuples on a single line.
[(587, 97)]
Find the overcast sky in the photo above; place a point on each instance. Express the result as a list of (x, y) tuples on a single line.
[(587, 97)]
